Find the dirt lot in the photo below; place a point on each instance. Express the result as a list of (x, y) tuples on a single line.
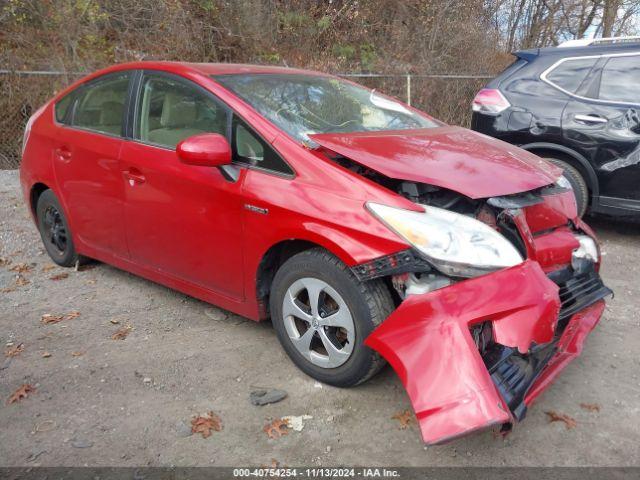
[(100, 401)]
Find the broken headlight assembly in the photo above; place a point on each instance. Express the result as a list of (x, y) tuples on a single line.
[(456, 245)]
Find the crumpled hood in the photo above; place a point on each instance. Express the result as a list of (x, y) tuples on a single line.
[(449, 157)]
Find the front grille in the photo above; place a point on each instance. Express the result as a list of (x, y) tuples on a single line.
[(579, 292)]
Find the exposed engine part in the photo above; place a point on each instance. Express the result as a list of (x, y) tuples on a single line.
[(482, 334), (519, 200), (419, 283)]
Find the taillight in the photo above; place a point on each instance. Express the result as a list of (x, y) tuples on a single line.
[(489, 100)]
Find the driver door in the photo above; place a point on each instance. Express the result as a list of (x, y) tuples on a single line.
[(181, 220)]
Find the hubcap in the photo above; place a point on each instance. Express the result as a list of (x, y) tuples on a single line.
[(318, 322), (54, 230)]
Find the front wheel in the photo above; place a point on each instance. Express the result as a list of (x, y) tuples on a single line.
[(322, 314)]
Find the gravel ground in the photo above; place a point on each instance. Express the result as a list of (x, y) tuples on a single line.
[(106, 402)]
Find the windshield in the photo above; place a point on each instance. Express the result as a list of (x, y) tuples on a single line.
[(302, 105)]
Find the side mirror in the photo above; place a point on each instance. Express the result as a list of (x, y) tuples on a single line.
[(205, 150)]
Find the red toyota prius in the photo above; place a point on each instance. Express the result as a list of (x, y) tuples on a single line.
[(365, 229)]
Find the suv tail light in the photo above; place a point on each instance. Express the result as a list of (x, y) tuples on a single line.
[(489, 100)]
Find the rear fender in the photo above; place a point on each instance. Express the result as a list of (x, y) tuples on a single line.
[(428, 342)]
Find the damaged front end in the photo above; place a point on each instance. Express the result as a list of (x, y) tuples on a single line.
[(474, 353)]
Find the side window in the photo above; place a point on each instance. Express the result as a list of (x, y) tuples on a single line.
[(248, 148), (100, 106), (620, 81), (171, 111), (570, 74), (62, 107)]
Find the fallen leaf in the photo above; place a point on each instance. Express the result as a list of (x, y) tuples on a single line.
[(204, 424), (8, 290), (48, 267), (405, 418), (14, 351), (60, 276), (19, 394), (46, 354), (4, 261), (277, 428), (114, 321), (77, 354), (48, 318), (561, 417), (122, 333), (21, 281), (592, 407), (21, 268)]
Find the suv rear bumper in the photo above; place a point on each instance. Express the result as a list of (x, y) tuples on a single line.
[(453, 389)]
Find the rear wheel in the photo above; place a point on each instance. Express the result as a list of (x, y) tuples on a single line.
[(54, 230), (322, 314), (577, 181)]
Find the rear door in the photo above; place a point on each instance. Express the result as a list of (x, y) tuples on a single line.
[(86, 151), (604, 125)]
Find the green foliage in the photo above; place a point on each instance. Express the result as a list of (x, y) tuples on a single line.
[(344, 51)]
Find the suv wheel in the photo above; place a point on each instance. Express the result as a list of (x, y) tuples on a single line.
[(322, 314), (578, 184)]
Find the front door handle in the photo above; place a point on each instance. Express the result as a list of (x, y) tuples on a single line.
[(590, 119), (133, 175)]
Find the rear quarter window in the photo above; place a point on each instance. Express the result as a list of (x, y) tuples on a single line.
[(62, 108), (620, 81)]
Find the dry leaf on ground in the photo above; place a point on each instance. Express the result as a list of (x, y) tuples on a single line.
[(405, 418), (77, 354), (8, 290), (48, 267), (277, 428), (46, 355), (592, 407), (21, 268), (48, 318), (60, 276), (4, 261), (122, 333), (114, 321), (21, 281), (19, 394), (204, 424), (561, 417), (14, 351)]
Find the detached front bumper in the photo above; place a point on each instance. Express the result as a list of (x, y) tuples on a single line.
[(538, 326)]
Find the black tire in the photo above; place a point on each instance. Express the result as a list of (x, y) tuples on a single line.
[(54, 230), (578, 183), (369, 304)]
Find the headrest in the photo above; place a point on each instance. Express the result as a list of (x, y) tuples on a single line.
[(111, 113), (178, 111)]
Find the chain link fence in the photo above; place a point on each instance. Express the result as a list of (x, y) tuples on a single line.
[(447, 97)]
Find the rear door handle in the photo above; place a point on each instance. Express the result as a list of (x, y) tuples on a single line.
[(63, 154), (590, 119), (134, 176)]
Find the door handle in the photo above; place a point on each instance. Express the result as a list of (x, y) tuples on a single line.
[(134, 176), (63, 154), (590, 119)]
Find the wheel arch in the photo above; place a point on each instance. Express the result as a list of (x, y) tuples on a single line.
[(37, 189), (570, 156), (269, 264)]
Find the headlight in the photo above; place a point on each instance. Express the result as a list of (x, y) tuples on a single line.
[(455, 244)]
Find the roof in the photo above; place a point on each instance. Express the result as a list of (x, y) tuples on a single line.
[(579, 51), (240, 68)]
